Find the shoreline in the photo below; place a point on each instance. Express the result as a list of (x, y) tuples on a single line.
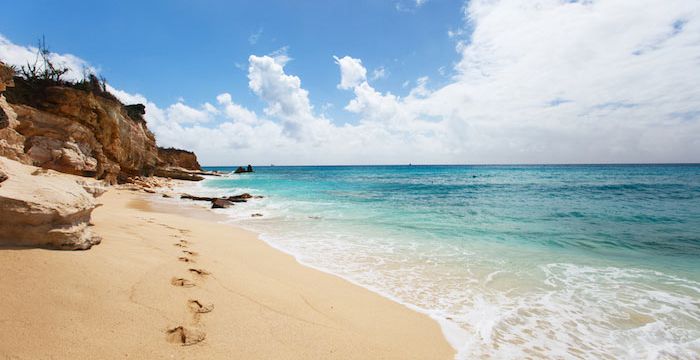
[(455, 336), (130, 296)]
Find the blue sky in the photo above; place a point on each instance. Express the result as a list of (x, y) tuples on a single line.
[(171, 49), (464, 82)]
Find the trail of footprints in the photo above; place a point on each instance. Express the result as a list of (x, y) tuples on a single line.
[(189, 335)]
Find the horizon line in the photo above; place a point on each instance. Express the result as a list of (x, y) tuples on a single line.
[(484, 164)]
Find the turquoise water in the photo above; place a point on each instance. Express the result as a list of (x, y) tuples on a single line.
[(599, 261)]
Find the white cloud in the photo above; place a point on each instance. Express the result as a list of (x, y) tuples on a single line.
[(283, 93), (552, 81), (236, 112), (352, 73), (421, 89), (183, 114)]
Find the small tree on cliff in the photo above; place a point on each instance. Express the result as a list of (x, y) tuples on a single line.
[(44, 73), (43, 69)]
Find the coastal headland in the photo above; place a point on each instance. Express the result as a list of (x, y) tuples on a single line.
[(79, 170)]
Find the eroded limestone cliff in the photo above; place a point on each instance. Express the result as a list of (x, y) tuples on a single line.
[(77, 132), (49, 126)]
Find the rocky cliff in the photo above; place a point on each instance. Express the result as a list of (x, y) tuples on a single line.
[(78, 129), (78, 132), (170, 157)]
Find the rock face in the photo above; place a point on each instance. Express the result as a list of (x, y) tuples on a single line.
[(6, 76), (41, 208), (77, 132), (178, 164), (171, 157), (11, 142)]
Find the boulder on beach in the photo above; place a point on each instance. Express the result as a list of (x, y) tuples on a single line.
[(47, 209)]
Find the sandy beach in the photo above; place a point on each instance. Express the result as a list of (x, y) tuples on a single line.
[(162, 285)]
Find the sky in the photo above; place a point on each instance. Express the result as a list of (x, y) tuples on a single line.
[(390, 81)]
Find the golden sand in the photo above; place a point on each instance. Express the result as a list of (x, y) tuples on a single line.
[(162, 285)]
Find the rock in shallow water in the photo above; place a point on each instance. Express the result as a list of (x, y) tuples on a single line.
[(44, 209), (220, 204)]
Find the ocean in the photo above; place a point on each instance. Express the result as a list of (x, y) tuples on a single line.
[(556, 261)]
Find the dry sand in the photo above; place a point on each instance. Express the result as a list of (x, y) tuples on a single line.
[(159, 280)]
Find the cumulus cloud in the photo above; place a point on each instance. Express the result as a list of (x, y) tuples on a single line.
[(537, 81), (183, 114), (234, 111), (552, 81), (352, 73), (283, 93)]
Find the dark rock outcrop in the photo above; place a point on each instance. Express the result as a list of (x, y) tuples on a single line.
[(241, 169), (177, 173), (4, 119), (244, 197), (197, 198), (221, 202), (136, 112)]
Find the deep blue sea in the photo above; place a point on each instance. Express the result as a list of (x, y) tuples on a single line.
[(566, 261)]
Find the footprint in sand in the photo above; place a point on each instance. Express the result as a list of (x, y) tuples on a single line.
[(197, 307), (185, 259), (184, 336), (200, 272), (181, 282), (182, 243), (190, 253)]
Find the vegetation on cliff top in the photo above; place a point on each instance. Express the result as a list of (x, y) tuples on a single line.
[(34, 78)]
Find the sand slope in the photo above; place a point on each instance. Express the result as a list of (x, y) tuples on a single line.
[(134, 296)]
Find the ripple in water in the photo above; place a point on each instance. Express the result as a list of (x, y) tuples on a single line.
[(514, 262)]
